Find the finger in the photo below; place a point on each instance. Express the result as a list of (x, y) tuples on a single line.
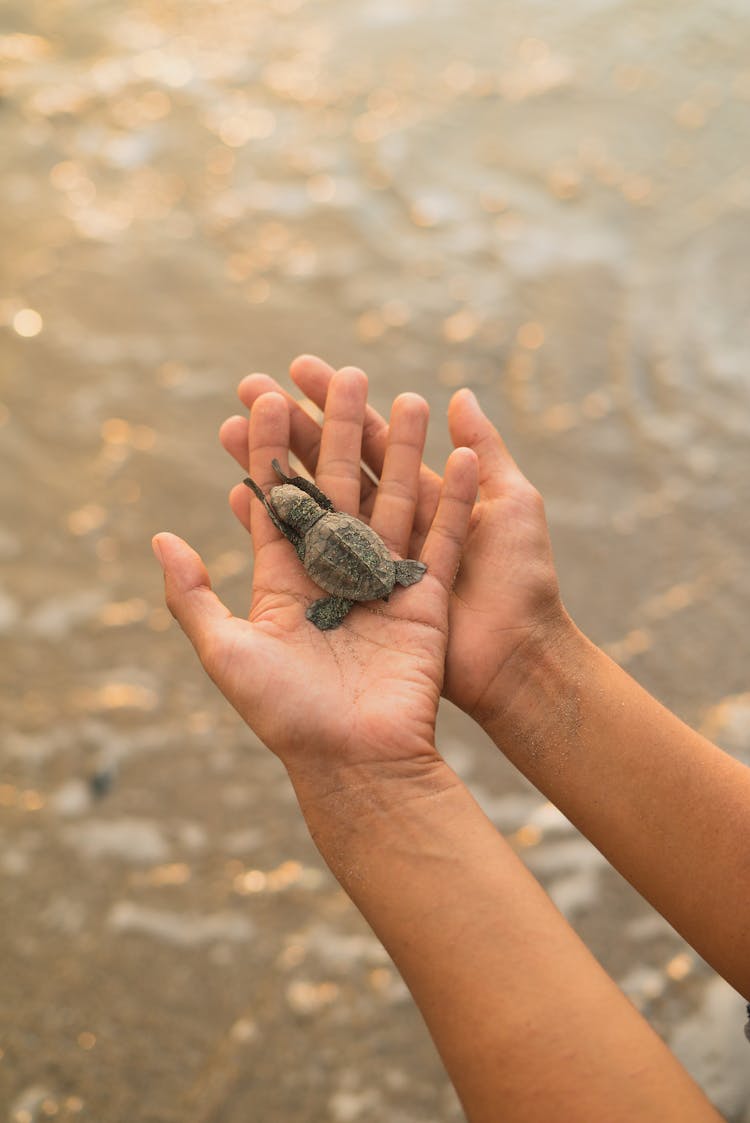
[(190, 599), (470, 427), (398, 490), (339, 462), (240, 502), (304, 431), (313, 376), (233, 434), (268, 440), (446, 537)]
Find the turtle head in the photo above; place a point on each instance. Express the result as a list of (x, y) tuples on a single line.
[(295, 507)]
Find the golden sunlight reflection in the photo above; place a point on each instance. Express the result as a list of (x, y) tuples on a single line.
[(680, 966), (87, 518), (115, 696), (530, 336), (288, 875), (307, 997), (117, 614), (547, 203), (175, 873), (460, 326), (527, 836), (27, 323)]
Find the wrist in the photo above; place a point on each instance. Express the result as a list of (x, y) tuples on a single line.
[(535, 700), (352, 808)]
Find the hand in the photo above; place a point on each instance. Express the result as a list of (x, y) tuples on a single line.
[(369, 690), (505, 601)]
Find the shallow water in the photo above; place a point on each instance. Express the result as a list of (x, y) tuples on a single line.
[(548, 205)]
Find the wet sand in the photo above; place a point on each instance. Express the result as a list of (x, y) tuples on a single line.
[(548, 206)]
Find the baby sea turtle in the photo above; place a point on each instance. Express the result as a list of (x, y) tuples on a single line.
[(340, 552)]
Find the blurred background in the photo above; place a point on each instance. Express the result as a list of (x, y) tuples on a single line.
[(548, 203)]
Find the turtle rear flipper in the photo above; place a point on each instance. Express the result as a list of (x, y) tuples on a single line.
[(409, 572), (328, 612)]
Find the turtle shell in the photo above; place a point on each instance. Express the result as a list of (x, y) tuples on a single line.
[(347, 559)]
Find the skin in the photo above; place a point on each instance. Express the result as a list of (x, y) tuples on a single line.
[(668, 809), (528, 1024), (395, 649)]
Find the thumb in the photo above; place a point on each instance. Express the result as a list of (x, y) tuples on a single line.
[(470, 427), (189, 597)]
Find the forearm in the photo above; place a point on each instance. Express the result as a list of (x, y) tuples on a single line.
[(668, 809), (527, 1023)]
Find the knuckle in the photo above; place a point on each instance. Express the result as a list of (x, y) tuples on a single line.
[(395, 488), (340, 468), (449, 533)]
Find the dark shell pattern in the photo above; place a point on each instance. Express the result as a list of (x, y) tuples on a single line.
[(342, 554), (346, 558)]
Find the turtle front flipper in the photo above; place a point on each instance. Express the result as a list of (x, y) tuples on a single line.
[(296, 539), (304, 485), (409, 572), (328, 612)]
